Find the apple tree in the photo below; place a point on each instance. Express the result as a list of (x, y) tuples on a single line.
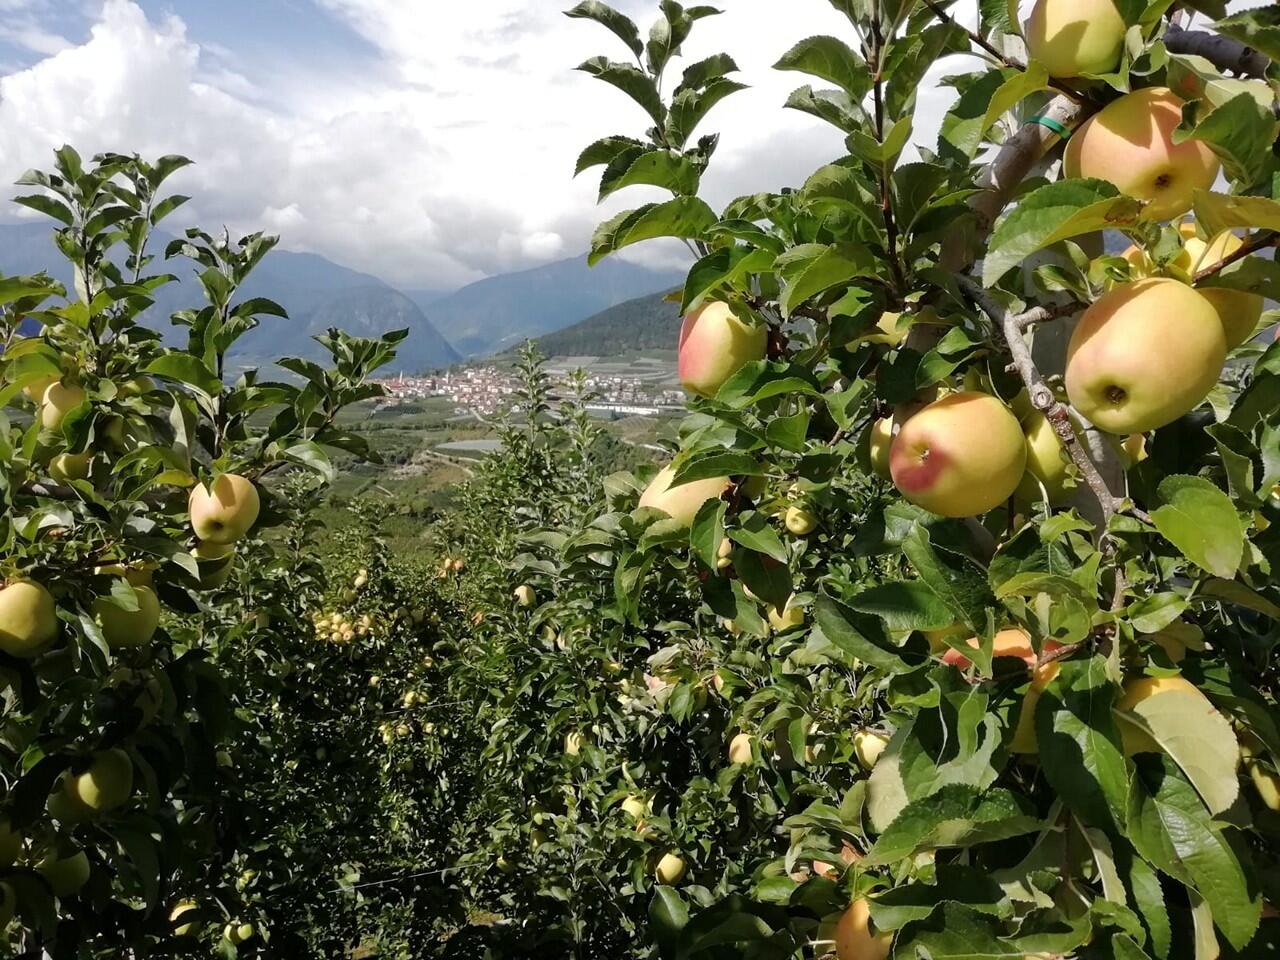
[(146, 483), (950, 628)]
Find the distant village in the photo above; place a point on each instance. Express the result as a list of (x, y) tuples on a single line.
[(488, 390)]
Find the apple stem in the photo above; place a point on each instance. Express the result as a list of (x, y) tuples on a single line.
[(1042, 397)]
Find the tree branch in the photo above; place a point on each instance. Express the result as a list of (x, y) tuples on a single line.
[(1042, 398), (1259, 241), (1223, 52)]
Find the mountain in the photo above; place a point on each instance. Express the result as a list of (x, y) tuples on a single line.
[(493, 314), (317, 292), (645, 323)]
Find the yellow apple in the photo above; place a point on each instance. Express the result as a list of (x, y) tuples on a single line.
[(800, 521), (740, 748), (881, 442), (854, 939), (1143, 355), (524, 595), (1130, 143), (104, 785), (1238, 310), (714, 345), (671, 869), (237, 933), (1265, 780), (1047, 461), (1024, 739), (189, 927), (28, 619), (223, 511), (57, 401), (128, 628), (1071, 37), (885, 331), (10, 843), (683, 502), (867, 747), (787, 618), (215, 562), (1144, 688), (65, 875), (960, 456), (70, 466), (35, 388)]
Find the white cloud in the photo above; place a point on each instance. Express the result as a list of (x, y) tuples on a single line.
[(452, 161)]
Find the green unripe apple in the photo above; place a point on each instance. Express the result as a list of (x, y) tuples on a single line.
[(128, 628), (1072, 37), (104, 785), (28, 619), (65, 875), (70, 466)]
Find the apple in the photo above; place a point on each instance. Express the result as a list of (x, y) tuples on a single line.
[(70, 466), (683, 502), (1047, 461), (1010, 642), (1073, 37), (1133, 450), (573, 743), (854, 939), (1140, 689), (740, 748), (1130, 143), (670, 869), (10, 843), (536, 839), (215, 562), (104, 785), (867, 747), (787, 618), (524, 595), (960, 456), (1143, 355), (136, 386), (1024, 738), (65, 875), (189, 927), (881, 442), (1266, 782), (714, 345), (28, 619), (35, 388), (885, 331), (237, 933), (57, 401), (224, 510), (724, 555), (128, 628), (800, 521), (1238, 310)]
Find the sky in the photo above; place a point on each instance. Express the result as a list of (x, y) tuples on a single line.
[(429, 143)]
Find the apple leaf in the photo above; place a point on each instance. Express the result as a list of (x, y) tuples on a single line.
[(1170, 827), (829, 59), (955, 816), (1199, 739), (813, 268), (987, 101), (1201, 522), (1240, 132), (860, 635), (952, 884), (653, 168), (1217, 212), (621, 25), (683, 217), (1051, 213), (1258, 28), (904, 605)]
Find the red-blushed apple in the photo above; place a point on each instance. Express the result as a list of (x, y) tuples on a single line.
[(224, 510), (683, 502), (1143, 355), (1130, 143), (1010, 642), (1071, 37), (960, 456), (28, 618), (714, 345)]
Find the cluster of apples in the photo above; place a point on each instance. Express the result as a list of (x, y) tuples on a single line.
[(222, 512), (339, 628), (235, 932)]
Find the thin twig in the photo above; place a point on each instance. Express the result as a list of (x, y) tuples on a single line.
[(1259, 241)]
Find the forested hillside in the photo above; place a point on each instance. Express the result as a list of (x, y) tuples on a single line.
[(645, 323)]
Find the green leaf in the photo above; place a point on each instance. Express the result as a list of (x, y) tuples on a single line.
[(1258, 28), (1240, 132), (632, 81), (1058, 211), (690, 107), (829, 59), (756, 534), (721, 268), (789, 433), (619, 24), (1217, 212), (48, 206), (705, 464), (904, 605), (604, 151), (955, 816), (684, 217), (956, 581), (1199, 519), (1079, 746), (953, 884), (668, 914), (986, 101), (655, 168), (814, 268), (834, 106), (1197, 737), (188, 369), (1170, 827), (860, 635)]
